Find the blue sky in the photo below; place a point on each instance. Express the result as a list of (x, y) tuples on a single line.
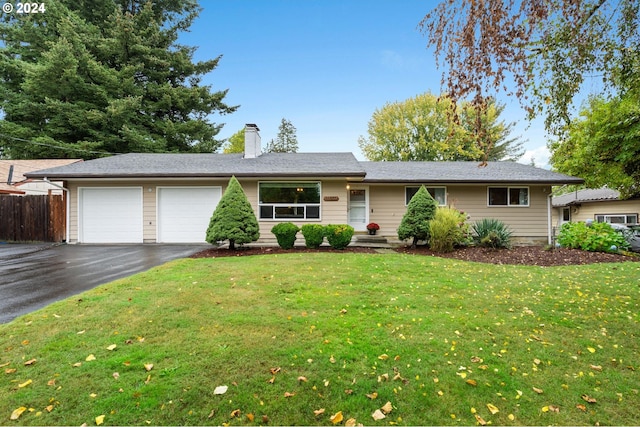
[(324, 65)]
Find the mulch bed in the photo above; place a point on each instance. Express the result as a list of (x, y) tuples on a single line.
[(520, 255)]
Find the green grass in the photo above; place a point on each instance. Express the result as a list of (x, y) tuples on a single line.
[(457, 337)]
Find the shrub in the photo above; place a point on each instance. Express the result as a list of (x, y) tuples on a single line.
[(339, 236), (285, 234), (233, 219), (597, 237), (415, 222), (492, 233), (447, 230), (313, 235)]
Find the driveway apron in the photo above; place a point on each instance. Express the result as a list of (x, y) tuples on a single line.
[(34, 276)]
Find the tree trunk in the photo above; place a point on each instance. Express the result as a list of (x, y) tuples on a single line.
[(232, 244)]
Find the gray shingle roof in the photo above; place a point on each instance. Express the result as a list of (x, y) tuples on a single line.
[(136, 165), (586, 195), (462, 172), (210, 165)]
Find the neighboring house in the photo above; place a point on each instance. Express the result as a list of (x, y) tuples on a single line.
[(601, 205), (136, 198), (13, 179)]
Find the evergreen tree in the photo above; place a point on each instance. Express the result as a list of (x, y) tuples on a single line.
[(286, 141), (87, 79), (233, 219), (415, 222)]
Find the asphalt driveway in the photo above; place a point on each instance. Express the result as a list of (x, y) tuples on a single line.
[(34, 276)]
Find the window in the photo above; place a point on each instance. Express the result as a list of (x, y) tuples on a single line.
[(438, 193), (289, 200), (566, 214), (508, 196), (630, 219)]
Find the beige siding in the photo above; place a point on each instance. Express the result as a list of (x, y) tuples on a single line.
[(387, 206), (331, 211), (589, 210)]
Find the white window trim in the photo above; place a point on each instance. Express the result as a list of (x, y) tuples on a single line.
[(608, 216), (509, 205), (275, 205), (446, 195)]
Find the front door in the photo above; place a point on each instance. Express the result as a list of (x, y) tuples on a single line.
[(358, 208)]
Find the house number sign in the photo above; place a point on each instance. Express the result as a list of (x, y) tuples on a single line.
[(331, 198)]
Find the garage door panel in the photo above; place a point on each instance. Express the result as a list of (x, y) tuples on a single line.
[(111, 215), (184, 213)]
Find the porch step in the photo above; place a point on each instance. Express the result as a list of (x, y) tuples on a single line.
[(367, 238)]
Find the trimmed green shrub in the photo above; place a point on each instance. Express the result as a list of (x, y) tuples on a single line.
[(285, 234), (447, 229), (415, 222), (339, 236), (233, 219), (597, 237), (492, 233), (313, 235)]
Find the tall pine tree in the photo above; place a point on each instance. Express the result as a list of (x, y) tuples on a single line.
[(88, 78)]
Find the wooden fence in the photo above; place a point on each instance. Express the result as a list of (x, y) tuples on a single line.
[(33, 218)]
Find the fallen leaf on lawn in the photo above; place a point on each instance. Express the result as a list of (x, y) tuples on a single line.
[(57, 316), (383, 377), (545, 409), (29, 362), (5, 364), (287, 394), (148, 366), (116, 375), (148, 380), (343, 311), (51, 383), (274, 370), (250, 417), (99, 419), (378, 415), (265, 419), (212, 413), (537, 390), (588, 398), (554, 408), (332, 359), (90, 358), (472, 382), (537, 361), (480, 420), (221, 389), (81, 332), (93, 395), (302, 379), (326, 383), (492, 409), (49, 408), (373, 395), (16, 414), (511, 417), (272, 380), (10, 371), (318, 411), (235, 413), (596, 367), (348, 391), (351, 422), (112, 347), (24, 384), (581, 407), (387, 408), (476, 359), (384, 356), (337, 417), (591, 349), (77, 365)]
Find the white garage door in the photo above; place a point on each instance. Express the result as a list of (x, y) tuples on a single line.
[(111, 215), (184, 213)]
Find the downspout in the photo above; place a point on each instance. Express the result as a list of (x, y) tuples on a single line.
[(68, 207)]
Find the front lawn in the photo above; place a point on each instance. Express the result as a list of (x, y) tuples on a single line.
[(329, 338)]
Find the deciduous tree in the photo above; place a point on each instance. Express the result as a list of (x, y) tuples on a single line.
[(235, 143), (423, 129)]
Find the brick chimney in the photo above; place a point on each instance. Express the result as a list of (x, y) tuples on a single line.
[(252, 141)]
